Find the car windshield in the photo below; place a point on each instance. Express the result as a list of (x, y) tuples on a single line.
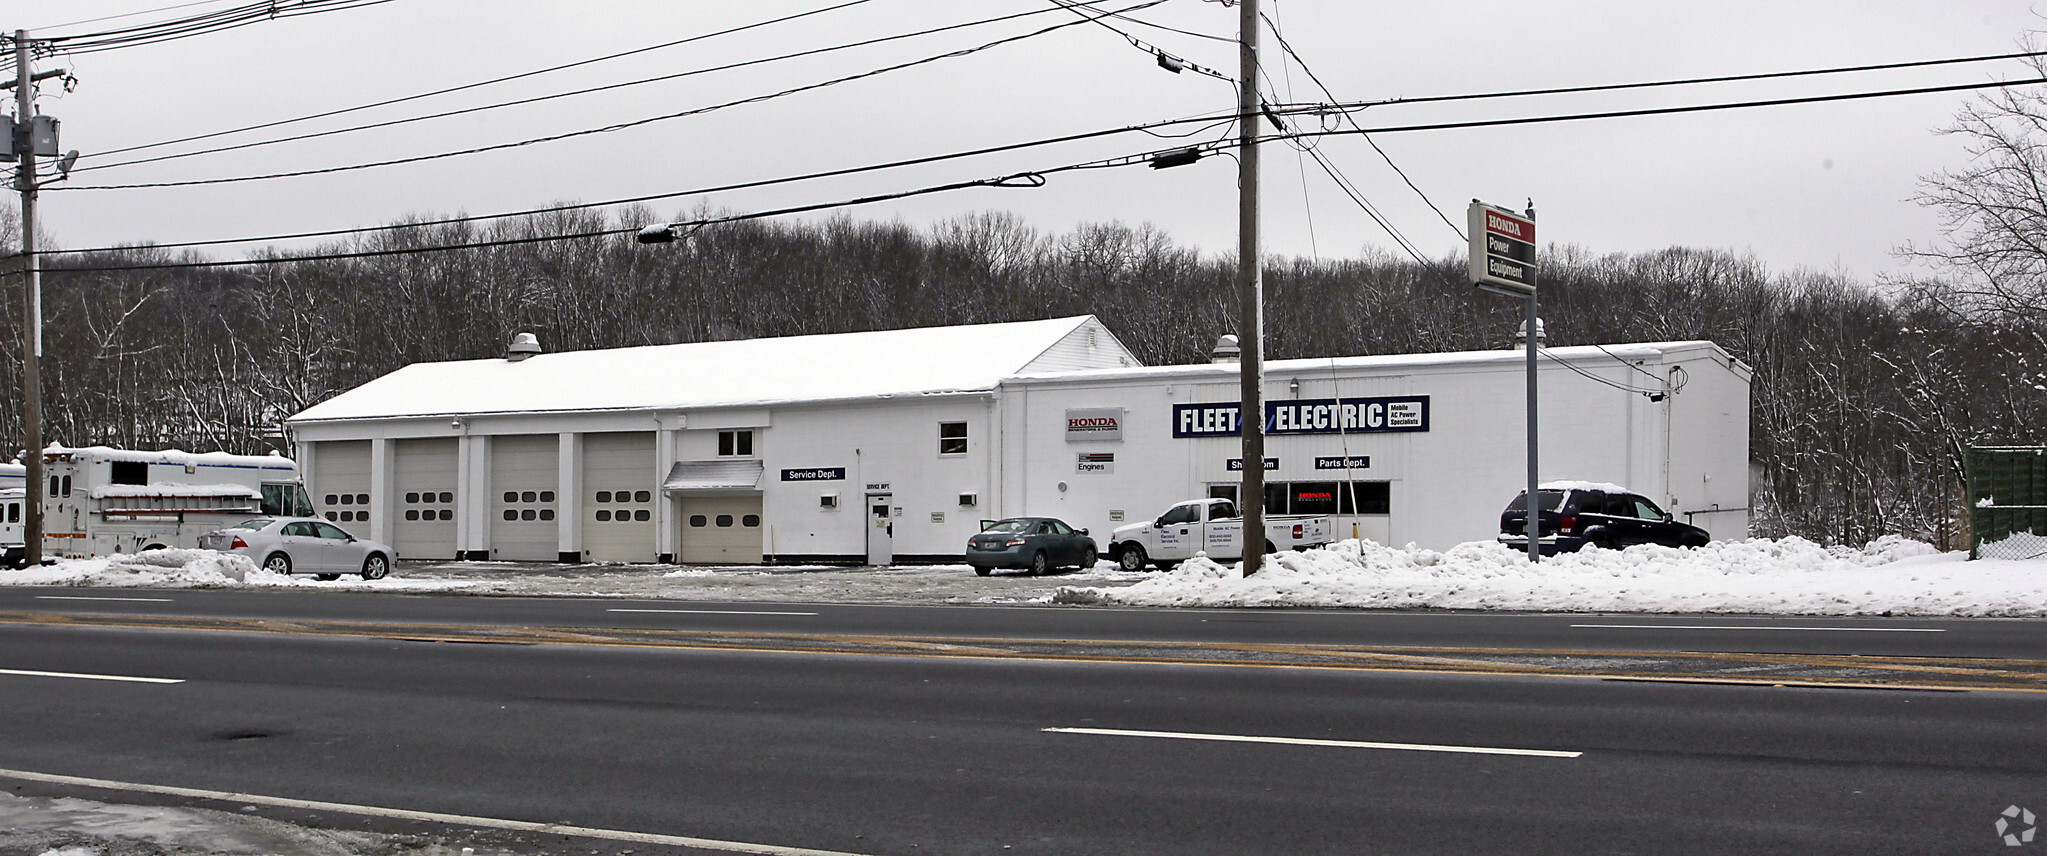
[(253, 523), (1008, 526)]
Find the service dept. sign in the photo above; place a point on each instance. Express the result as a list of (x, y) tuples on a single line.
[(1094, 425), (1309, 416)]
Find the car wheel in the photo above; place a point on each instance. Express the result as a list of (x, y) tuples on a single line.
[(277, 563), (1131, 559), (156, 547), (376, 567), (1039, 564), (326, 577), (982, 571), (1088, 558), (1270, 549)]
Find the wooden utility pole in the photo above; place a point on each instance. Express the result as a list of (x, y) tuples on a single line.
[(32, 309), (1251, 292)]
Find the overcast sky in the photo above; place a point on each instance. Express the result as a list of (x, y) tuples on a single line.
[(1823, 186)]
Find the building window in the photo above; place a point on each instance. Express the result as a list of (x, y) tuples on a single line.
[(750, 521), (735, 444), (952, 438), (604, 515), (511, 514), (698, 520), (724, 520)]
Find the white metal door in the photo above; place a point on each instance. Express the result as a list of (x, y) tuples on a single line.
[(524, 479), (424, 489), (618, 496), (341, 483), (881, 530), (721, 530)]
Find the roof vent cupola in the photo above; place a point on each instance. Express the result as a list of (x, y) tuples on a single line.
[(523, 345), (1226, 350)]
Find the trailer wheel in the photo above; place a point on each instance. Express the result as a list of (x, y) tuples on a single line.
[(277, 563), (1131, 559)]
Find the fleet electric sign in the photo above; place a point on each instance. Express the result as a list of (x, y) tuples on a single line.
[(1502, 249), (1311, 416)]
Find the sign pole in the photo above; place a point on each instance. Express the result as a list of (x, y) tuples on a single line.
[(1503, 262), (1533, 526)]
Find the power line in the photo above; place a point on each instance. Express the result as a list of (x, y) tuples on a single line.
[(203, 24), (1279, 109), (1026, 179), (1732, 78), (535, 99), (127, 15), (618, 126), (1289, 48), (1210, 120), (1170, 62), (452, 89)]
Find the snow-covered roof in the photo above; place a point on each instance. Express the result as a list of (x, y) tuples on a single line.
[(171, 457), (746, 372), (169, 489), (1310, 367)]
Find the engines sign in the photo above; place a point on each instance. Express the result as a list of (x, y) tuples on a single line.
[(1502, 249)]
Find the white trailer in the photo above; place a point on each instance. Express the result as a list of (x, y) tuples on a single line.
[(11, 537), (99, 501)]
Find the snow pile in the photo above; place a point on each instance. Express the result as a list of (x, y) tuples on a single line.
[(170, 568), (188, 569), (1891, 576)]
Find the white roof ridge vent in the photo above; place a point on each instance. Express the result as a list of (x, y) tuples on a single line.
[(523, 345)]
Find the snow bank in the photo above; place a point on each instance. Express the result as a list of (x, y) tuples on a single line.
[(188, 569), (1891, 576)]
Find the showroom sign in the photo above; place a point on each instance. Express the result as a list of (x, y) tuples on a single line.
[(1309, 416)]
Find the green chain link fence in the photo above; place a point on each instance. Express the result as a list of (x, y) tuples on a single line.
[(2007, 501)]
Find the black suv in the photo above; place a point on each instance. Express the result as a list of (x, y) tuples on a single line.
[(1607, 515)]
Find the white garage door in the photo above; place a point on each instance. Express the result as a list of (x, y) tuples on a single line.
[(523, 478), (424, 488), (341, 484), (618, 496), (721, 530)]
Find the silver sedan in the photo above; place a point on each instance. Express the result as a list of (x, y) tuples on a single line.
[(302, 545)]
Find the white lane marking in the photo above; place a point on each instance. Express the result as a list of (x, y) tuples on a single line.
[(133, 680), (431, 816), (713, 611), (1762, 627), (1299, 741), (130, 599)]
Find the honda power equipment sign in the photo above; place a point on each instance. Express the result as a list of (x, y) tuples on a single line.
[(1502, 250)]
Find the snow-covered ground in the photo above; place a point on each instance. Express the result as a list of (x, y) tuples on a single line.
[(1787, 576)]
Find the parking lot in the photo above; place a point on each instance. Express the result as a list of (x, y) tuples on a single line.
[(894, 584)]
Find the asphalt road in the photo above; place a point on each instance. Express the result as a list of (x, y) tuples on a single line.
[(898, 754), (2022, 639)]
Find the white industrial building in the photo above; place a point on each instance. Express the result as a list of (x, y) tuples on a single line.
[(893, 445)]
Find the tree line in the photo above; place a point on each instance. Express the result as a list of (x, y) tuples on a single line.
[(1862, 398)]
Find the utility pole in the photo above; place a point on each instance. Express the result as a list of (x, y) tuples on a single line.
[(32, 308), (1251, 292)]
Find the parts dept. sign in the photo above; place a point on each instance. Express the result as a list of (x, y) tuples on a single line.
[(1309, 416), (1094, 425)]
